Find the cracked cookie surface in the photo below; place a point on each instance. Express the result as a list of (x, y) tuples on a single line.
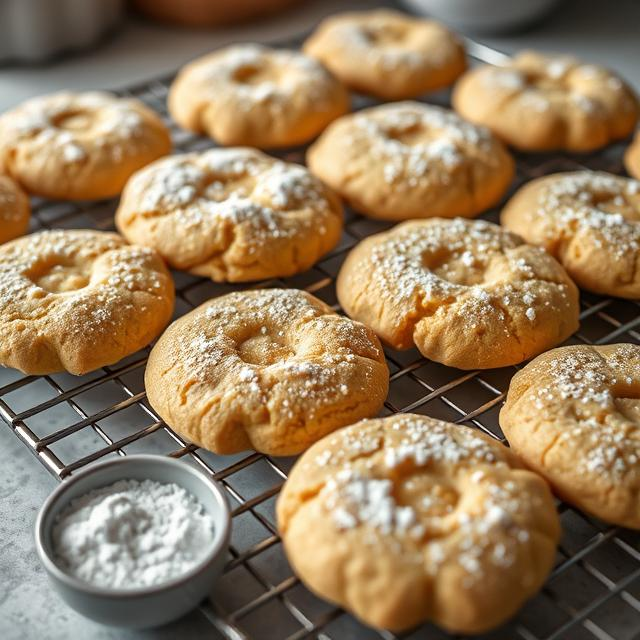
[(248, 94), (15, 210), (78, 300), (406, 519), (466, 293), (589, 221), (412, 160), (231, 214), (388, 54), (573, 416), (79, 146), (273, 370), (539, 102)]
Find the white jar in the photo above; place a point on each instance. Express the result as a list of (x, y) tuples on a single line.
[(34, 30)]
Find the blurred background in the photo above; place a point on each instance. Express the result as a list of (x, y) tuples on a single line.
[(47, 45)]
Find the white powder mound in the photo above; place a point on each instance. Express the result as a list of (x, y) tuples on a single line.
[(132, 534)]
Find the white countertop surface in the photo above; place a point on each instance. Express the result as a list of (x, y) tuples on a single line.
[(604, 32)]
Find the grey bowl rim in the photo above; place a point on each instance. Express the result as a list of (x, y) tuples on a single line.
[(219, 546)]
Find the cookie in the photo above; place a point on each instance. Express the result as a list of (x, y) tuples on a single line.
[(388, 54), (15, 211), (231, 214), (406, 519), (589, 221), (78, 300), (572, 415), (468, 294), (411, 160), (540, 102), (79, 146), (272, 369), (252, 95), (632, 157)]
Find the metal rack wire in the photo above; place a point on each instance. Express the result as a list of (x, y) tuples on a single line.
[(68, 423)]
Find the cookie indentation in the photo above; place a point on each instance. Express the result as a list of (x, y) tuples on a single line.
[(73, 120), (251, 74), (57, 275), (263, 350)]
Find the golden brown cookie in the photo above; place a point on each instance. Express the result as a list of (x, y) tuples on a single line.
[(466, 293), (411, 160), (15, 211), (252, 95), (632, 157), (589, 221), (79, 146), (406, 519), (388, 54), (539, 102), (573, 416), (231, 214), (78, 300), (272, 369)]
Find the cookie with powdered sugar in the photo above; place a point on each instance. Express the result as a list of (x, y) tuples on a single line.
[(233, 215), (411, 160), (249, 94), (466, 293), (79, 146), (408, 519), (273, 369), (15, 211), (572, 415), (538, 102), (589, 221), (78, 300), (388, 54)]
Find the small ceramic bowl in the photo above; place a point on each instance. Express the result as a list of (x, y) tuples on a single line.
[(146, 606)]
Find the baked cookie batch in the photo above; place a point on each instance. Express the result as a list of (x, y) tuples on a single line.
[(402, 519)]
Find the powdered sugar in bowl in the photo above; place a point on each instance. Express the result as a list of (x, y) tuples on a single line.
[(134, 542)]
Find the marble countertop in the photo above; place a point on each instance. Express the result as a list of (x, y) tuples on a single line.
[(28, 608)]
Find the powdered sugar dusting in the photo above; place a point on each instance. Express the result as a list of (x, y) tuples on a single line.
[(581, 383), (75, 279), (556, 82), (405, 482), (433, 263), (280, 75), (233, 186), (392, 42), (74, 126), (601, 207), (275, 360), (416, 142)]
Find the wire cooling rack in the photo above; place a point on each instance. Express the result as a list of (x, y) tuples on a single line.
[(69, 423)]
